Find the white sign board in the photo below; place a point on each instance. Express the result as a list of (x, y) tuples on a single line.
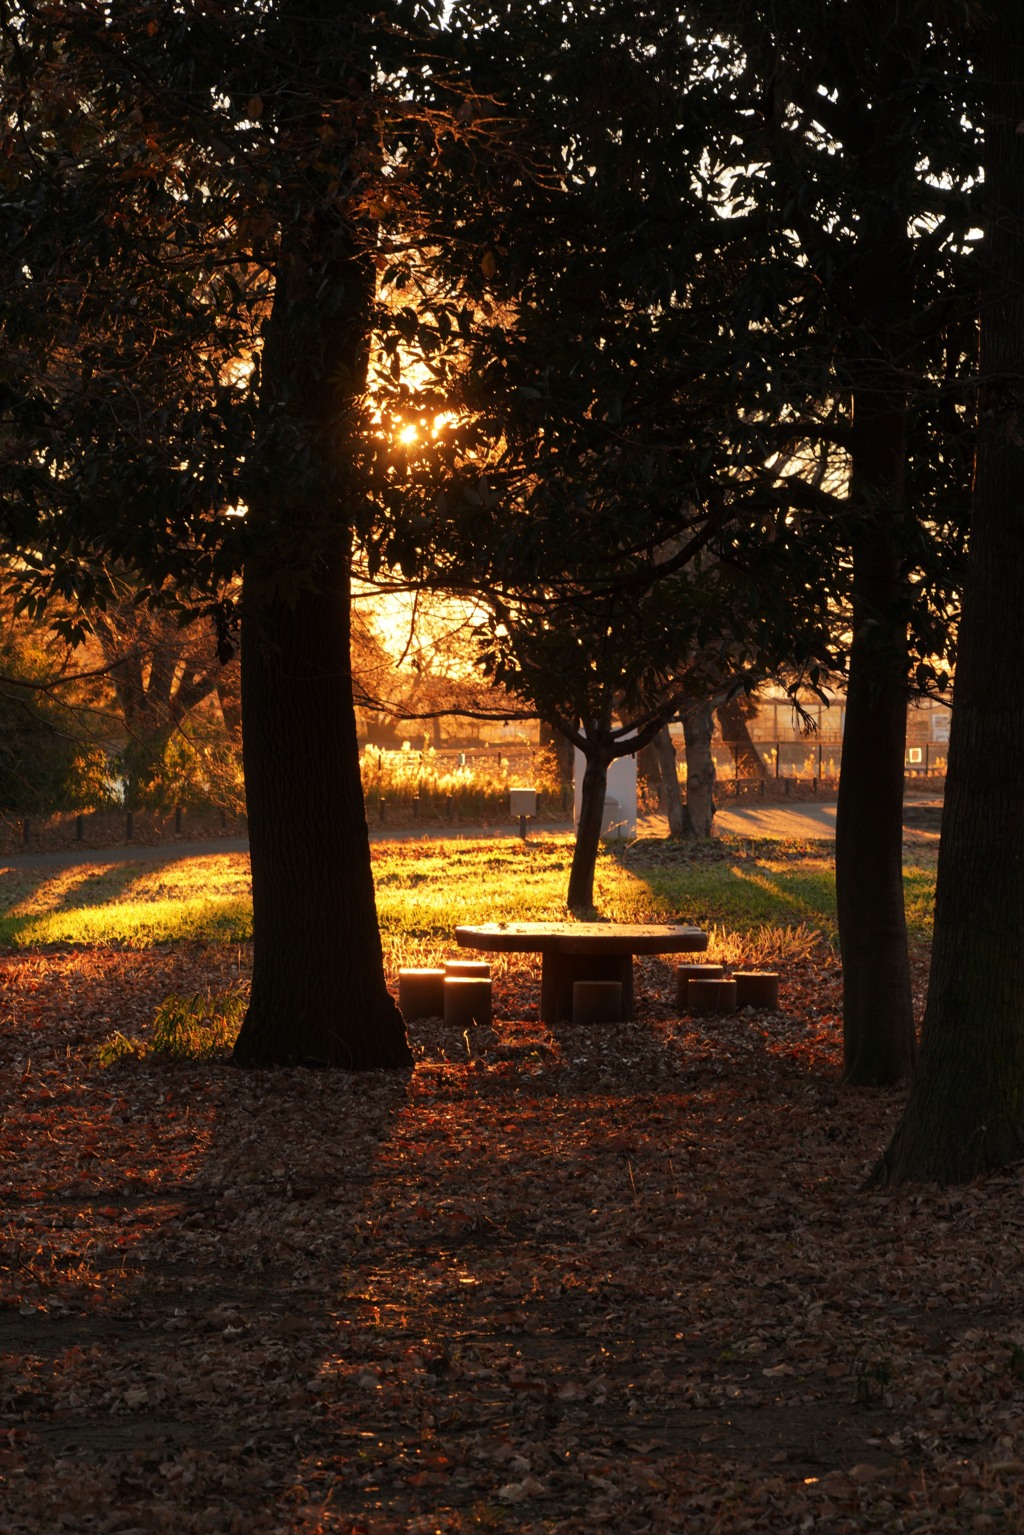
[(620, 796)]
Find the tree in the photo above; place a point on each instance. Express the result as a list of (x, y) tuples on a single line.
[(779, 202), (733, 715), (160, 673), (194, 204), (51, 740), (965, 1114), (855, 155)]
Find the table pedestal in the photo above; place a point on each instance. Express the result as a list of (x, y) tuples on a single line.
[(559, 970)]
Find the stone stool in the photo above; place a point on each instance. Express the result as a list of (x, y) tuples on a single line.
[(421, 993), (713, 996), (687, 973), (756, 988), (478, 968), (467, 1000)]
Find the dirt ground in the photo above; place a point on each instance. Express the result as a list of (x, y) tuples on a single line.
[(552, 1280)]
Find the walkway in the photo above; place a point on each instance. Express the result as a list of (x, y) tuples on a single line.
[(801, 821)]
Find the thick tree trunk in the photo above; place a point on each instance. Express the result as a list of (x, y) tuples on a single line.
[(671, 794), (318, 993), (698, 728), (965, 1114), (878, 1018), (580, 897)]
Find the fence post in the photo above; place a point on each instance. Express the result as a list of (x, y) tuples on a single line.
[(79, 828), (778, 755), (380, 809)]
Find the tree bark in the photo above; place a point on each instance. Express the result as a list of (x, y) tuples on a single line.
[(698, 728), (736, 733), (878, 1018), (671, 794), (318, 993), (562, 749), (965, 1114), (580, 898)]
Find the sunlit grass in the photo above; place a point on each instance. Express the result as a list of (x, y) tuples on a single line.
[(426, 889), (790, 886)]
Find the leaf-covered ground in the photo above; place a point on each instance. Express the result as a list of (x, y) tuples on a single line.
[(554, 1279)]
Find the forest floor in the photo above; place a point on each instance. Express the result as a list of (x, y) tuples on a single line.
[(550, 1280)]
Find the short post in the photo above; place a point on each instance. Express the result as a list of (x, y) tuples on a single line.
[(713, 996), (26, 829), (687, 973), (467, 1001), (421, 993), (130, 825), (757, 988), (177, 821), (380, 810), (79, 828), (523, 803), (471, 969)]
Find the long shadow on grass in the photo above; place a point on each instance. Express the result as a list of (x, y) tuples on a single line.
[(738, 883)]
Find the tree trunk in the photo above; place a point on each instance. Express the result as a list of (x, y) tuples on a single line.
[(671, 795), (878, 1018), (554, 741), (736, 733), (965, 1114), (698, 728), (318, 993), (580, 898)]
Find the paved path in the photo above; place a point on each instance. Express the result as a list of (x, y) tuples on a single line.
[(802, 820)]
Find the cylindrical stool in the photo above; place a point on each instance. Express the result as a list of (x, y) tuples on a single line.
[(467, 1000), (421, 993), (468, 967), (597, 1001), (756, 988), (713, 996), (687, 973)]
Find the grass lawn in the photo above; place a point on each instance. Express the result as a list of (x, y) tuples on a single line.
[(425, 888)]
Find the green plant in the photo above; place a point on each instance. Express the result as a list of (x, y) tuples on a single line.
[(187, 1028), (197, 1026)]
